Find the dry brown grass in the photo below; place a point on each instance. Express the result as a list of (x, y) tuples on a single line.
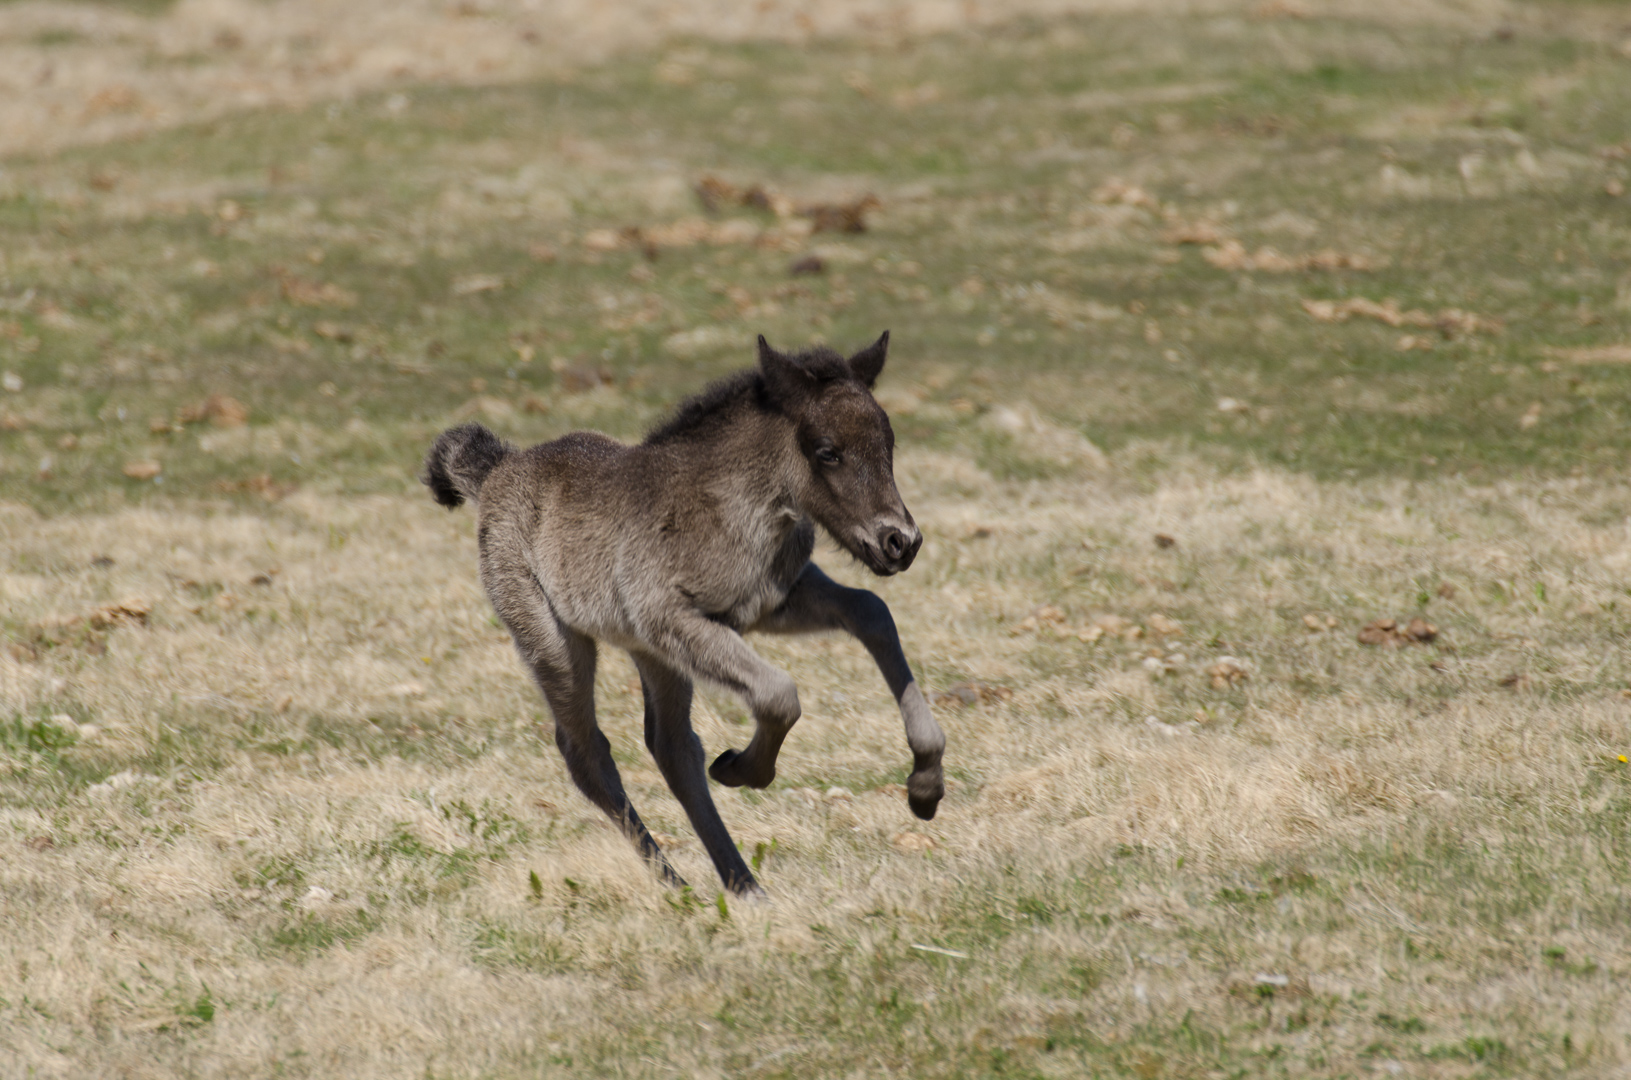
[(306, 821), (78, 73), (279, 742)]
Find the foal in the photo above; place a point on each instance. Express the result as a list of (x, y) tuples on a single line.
[(674, 548)]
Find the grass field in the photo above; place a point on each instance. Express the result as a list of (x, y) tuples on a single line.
[(1339, 309)]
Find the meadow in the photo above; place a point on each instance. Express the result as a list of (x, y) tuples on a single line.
[(1219, 340)]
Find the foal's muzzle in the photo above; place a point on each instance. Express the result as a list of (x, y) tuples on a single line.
[(898, 547)]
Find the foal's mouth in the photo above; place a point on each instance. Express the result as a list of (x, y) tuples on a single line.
[(890, 551)]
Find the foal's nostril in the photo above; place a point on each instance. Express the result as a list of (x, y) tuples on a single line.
[(894, 543)]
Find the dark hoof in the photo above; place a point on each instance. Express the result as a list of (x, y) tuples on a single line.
[(727, 769), (923, 794), (749, 891)]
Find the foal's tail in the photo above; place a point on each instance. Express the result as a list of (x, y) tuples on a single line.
[(460, 460)]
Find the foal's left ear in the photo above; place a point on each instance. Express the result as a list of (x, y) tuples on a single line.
[(788, 383), (867, 363)]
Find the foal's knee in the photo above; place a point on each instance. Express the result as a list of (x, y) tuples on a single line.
[(777, 702)]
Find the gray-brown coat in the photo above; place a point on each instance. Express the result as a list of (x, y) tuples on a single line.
[(673, 548)]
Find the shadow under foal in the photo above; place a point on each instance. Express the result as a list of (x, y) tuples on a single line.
[(674, 548)]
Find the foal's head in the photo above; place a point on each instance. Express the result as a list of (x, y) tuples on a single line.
[(847, 449)]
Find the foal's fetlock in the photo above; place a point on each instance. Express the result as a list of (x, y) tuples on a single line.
[(924, 790), (733, 770)]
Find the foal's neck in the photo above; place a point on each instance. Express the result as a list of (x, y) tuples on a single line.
[(755, 462)]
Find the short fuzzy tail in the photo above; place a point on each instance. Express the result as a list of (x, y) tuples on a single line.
[(459, 462)]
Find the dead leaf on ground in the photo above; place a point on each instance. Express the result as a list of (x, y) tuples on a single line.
[(1232, 255), (1449, 321), (847, 217), (1597, 354), (470, 284), (1045, 615), (578, 378), (810, 264), (1517, 680), (1389, 634), (912, 842), (87, 632), (1227, 672), (1113, 626), (142, 470), (118, 98), (1116, 190), (971, 693), (298, 290), (219, 409), (1161, 626), (39, 843), (1162, 540), (1446, 590), (716, 194), (1192, 232), (261, 484), (333, 331)]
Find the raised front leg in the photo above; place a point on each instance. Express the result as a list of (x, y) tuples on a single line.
[(712, 651), (817, 602), (678, 753)]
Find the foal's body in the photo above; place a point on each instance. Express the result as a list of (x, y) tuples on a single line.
[(672, 549)]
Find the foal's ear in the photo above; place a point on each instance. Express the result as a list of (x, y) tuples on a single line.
[(867, 363), (784, 378)]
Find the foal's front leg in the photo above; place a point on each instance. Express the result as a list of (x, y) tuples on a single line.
[(817, 602), (709, 650)]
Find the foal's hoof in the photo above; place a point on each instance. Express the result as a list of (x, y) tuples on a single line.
[(924, 792), (728, 769)]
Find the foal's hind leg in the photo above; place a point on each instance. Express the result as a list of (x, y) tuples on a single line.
[(817, 602), (563, 664), (678, 753)]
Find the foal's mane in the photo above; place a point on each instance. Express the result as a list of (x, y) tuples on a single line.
[(717, 402)]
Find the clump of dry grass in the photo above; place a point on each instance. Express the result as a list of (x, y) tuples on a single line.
[(305, 820)]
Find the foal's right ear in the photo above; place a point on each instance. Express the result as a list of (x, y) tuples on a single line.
[(784, 378), (868, 363)]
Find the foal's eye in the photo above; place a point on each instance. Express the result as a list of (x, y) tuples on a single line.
[(827, 456)]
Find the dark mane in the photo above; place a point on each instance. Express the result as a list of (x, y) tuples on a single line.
[(715, 400)]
